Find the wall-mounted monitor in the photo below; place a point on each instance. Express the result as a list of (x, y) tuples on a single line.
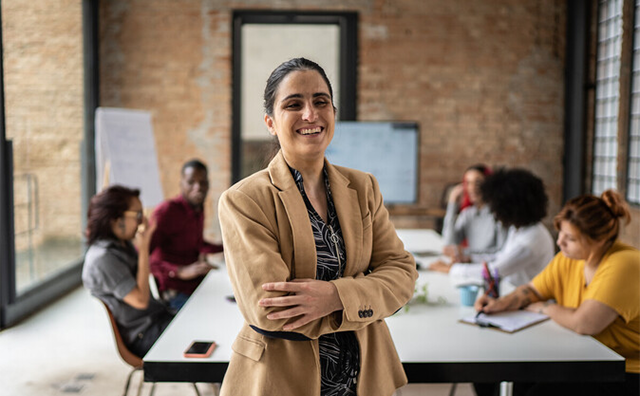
[(388, 150)]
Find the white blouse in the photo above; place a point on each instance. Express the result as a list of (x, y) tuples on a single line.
[(526, 251)]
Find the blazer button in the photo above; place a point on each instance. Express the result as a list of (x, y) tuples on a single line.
[(370, 312), (360, 313)]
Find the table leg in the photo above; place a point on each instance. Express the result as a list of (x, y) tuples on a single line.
[(506, 388)]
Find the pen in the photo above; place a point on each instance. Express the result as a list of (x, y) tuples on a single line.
[(486, 268), (491, 288)]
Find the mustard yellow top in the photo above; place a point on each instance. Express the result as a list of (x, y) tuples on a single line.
[(616, 283)]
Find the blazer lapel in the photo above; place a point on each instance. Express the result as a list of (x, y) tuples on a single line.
[(304, 246), (348, 209)]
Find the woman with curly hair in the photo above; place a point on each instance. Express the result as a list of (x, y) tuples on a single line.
[(517, 199), (590, 287)]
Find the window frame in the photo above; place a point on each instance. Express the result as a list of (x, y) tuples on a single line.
[(348, 23), (623, 124), (14, 307)]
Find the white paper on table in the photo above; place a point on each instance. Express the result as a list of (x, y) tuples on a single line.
[(510, 322)]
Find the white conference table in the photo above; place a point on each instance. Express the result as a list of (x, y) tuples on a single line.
[(433, 346)]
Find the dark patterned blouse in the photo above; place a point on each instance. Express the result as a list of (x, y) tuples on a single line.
[(339, 352)]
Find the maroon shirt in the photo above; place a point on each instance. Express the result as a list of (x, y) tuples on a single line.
[(177, 242)]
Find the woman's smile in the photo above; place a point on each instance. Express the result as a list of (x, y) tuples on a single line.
[(310, 131)]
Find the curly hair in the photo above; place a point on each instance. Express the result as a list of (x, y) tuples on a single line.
[(598, 218), (107, 205), (516, 197)]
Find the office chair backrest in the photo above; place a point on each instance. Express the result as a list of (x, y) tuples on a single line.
[(129, 357)]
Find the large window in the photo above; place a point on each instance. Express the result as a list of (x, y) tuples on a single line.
[(616, 138), (44, 109), (44, 163), (607, 95), (633, 170)]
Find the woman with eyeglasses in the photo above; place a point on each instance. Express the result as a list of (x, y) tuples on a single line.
[(117, 274)]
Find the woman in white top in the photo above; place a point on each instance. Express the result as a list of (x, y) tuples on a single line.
[(517, 199), (469, 226)]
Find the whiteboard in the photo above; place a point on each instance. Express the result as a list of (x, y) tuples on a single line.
[(388, 150), (126, 153)]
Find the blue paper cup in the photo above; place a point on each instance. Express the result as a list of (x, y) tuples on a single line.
[(468, 295)]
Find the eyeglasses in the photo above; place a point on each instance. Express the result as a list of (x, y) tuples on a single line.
[(137, 214)]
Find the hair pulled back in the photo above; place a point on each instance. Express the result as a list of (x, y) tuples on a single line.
[(280, 72), (598, 218), (107, 205)]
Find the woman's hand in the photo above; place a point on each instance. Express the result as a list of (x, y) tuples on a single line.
[(194, 270), (144, 233), (451, 251), (488, 304), (308, 300), (523, 296), (456, 193), (440, 266)]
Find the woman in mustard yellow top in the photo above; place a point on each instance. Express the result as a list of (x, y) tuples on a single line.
[(590, 287)]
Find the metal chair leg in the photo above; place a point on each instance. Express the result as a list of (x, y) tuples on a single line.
[(126, 387), (140, 385), (196, 389), (452, 391), (153, 388)]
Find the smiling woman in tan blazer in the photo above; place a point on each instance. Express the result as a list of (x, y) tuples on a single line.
[(272, 225)]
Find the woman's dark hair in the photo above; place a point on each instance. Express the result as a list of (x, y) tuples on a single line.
[(596, 218), (280, 72), (107, 205), (482, 168), (515, 196)]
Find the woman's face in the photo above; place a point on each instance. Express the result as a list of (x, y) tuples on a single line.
[(303, 116), (472, 180), (126, 226), (572, 242)]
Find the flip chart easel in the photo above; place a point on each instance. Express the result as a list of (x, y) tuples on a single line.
[(126, 153)]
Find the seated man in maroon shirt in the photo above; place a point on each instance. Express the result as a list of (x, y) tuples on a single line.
[(178, 249)]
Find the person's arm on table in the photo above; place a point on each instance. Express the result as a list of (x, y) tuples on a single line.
[(508, 261), (523, 296), (590, 318)]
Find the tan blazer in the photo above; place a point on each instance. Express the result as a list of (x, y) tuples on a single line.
[(267, 237)]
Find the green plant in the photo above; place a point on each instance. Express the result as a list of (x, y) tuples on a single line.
[(421, 296)]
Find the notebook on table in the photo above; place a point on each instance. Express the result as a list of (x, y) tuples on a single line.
[(509, 322)]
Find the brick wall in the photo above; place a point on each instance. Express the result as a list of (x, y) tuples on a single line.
[(42, 44), (484, 79)]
